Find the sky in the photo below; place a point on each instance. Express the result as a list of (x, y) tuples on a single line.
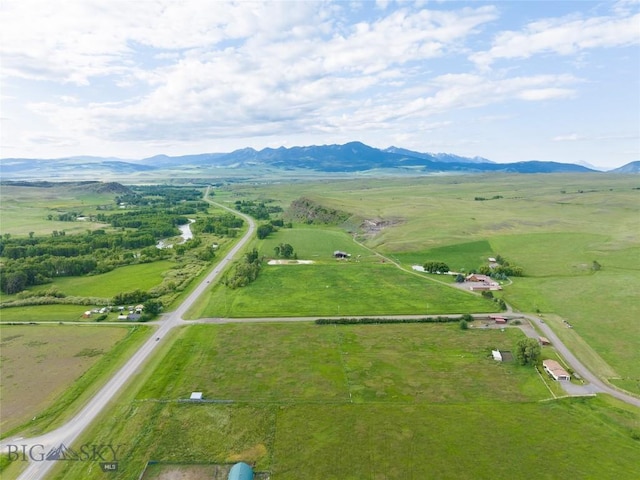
[(506, 80)]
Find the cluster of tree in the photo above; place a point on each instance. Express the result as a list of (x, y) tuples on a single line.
[(305, 210), (159, 223), (480, 199), (368, 320), (37, 260), (266, 229), (258, 210), (503, 270), (284, 250), (73, 245), (527, 351), (436, 267), (222, 225), (64, 217), (489, 296), (160, 195), (246, 271)]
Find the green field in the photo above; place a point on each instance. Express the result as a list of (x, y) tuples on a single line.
[(26, 209), (553, 226), (123, 279), (397, 401), (361, 402), (366, 284)]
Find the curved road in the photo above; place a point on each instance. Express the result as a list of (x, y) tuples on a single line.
[(68, 433)]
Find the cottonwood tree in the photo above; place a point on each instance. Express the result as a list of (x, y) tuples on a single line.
[(528, 351)]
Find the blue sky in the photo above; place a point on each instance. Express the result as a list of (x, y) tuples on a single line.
[(509, 81)]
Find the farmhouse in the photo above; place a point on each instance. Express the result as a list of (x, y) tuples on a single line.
[(481, 282), (476, 277), (241, 471), (556, 370), (340, 254)]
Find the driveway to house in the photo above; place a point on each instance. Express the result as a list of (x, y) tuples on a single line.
[(595, 384), (68, 433)]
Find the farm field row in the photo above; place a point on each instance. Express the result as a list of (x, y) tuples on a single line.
[(354, 402)]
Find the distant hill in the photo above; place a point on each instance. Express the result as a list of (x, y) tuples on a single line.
[(351, 157), (631, 167)]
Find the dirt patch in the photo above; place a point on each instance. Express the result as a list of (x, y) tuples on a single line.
[(373, 226), (160, 471), (290, 262), (40, 363)]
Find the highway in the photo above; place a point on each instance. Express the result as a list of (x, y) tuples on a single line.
[(69, 432)]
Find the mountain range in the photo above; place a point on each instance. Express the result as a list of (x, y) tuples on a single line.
[(353, 157)]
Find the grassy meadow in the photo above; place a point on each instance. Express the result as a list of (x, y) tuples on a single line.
[(360, 402), (363, 285), (26, 209), (553, 226), (48, 371)]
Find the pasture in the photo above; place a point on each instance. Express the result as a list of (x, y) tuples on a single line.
[(123, 279), (360, 402), (554, 226), (342, 288), (26, 209), (47, 371)]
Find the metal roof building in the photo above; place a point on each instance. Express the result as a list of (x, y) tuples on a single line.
[(241, 471)]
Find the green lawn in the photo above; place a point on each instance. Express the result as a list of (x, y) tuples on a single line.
[(44, 313), (342, 288), (361, 402), (106, 285)]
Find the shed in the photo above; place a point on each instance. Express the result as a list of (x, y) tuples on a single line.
[(556, 370), (241, 471), (497, 356), (544, 341), (196, 396)]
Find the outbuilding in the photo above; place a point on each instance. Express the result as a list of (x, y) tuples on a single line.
[(544, 341), (241, 471), (196, 396), (556, 370)]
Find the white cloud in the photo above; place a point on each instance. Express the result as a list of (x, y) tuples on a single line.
[(162, 72), (562, 36), (567, 138)]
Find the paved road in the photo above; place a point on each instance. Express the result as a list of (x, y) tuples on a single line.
[(69, 432)]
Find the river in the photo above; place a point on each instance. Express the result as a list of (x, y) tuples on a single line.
[(185, 234)]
